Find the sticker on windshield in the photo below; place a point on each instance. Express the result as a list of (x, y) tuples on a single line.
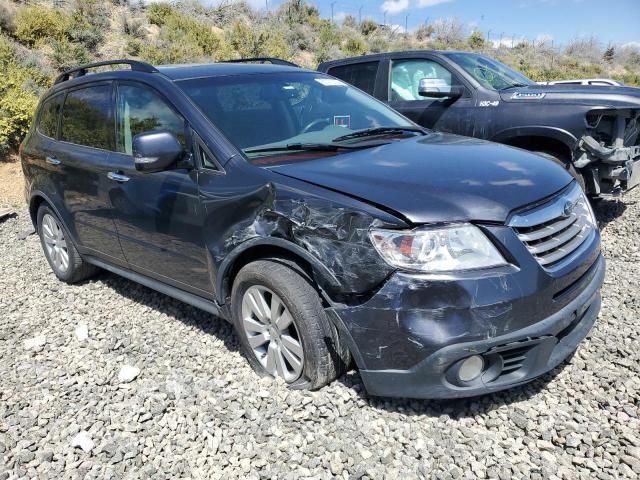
[(330, 82), (342, 121)]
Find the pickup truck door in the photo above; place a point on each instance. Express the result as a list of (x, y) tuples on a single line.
[(443, 114)]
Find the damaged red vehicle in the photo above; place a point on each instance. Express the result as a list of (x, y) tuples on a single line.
[(326, 227)]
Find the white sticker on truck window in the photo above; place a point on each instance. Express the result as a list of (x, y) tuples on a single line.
[(330, 82)]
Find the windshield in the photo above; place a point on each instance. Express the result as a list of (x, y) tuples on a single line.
[(489, 72), (261, 112)]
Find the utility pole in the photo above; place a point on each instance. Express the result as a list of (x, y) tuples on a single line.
[(384, 21), (332, 4), (266, 5), (488, 35), (406, 23), (360, 14)]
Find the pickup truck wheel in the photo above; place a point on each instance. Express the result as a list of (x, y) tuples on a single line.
[(283, 328), (59, 250), (568, 166)]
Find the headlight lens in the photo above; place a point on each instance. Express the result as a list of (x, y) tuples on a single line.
[(442, 249)]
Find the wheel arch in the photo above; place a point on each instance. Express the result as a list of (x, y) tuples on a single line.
[(262, 248), (549, 139)]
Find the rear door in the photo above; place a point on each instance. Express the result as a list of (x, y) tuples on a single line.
[(79, 163), (158, 215)]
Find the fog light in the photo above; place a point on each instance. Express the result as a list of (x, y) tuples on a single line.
[(471, 368)]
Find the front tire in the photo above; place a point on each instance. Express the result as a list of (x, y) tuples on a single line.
[(283, 328), (59, 250)]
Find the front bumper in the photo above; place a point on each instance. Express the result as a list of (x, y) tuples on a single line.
[(409, 338)]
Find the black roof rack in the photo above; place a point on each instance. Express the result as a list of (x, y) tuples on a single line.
[(274, 61), (82, 69)]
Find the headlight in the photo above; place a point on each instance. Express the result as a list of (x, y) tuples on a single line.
[(442, 249)]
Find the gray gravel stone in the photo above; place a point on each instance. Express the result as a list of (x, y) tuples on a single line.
[(199, 411)]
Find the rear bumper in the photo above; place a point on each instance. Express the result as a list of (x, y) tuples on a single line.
[(514, 351)]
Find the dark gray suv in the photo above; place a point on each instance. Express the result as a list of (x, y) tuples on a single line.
[(328, 228)]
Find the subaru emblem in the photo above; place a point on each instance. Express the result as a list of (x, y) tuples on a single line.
[(568, 208)]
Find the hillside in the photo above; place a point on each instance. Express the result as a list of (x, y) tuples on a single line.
[(40, 39)]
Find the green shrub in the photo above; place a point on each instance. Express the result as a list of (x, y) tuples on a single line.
[(158, 13), (66, 54), (19, 89), (38, 24), (476, 40)]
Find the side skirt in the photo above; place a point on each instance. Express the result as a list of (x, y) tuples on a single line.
[(191, 299)]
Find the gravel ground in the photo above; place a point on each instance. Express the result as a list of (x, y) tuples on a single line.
[(108, 379)]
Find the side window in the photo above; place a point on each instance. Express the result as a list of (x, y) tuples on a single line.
[(406, 76), (361, 75), (207, 160), (48, 123), (87, 117), (141, 110)]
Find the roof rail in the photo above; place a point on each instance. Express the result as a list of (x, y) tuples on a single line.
[(274, 61), (81, 70)]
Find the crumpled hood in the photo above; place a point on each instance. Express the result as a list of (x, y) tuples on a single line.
[(437, 178), (578, 94)]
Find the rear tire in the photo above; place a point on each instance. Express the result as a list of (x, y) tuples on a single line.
[(307, 351), (567, 165), (59, 249)]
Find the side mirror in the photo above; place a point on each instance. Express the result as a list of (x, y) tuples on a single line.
[(155, 151), (438, 88)]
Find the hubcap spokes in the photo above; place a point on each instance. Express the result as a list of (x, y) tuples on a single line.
[(55, 243), (272, 334)]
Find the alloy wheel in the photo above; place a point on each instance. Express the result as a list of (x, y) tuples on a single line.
[(272, 333), (55, 243)]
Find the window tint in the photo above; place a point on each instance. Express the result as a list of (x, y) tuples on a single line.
[(361, 75), (87, 118), (48, 124), (141, 110), (406, 76)]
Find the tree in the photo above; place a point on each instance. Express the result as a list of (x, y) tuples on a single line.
[(609, 54), (476, 40)]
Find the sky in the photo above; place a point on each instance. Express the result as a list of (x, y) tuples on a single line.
[(610, 21)]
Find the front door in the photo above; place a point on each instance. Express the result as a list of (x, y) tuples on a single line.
[(158, 215), (445, 114)]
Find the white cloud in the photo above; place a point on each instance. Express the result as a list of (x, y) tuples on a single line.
[(340, 16), (543, 39), (635, 45), (393, 7), (394, 27), (506, 41), (431, 3)]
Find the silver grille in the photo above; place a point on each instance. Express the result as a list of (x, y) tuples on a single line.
[(555, 229)]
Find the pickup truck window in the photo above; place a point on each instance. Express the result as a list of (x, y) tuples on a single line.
[(406, 76), (489, 72), (361, 75)]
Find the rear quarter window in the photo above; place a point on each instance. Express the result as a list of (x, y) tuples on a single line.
[(49, 113), (360, 75)]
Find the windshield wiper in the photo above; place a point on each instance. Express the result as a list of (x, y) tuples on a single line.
[(318, 147), (514, 85), (371, 132)]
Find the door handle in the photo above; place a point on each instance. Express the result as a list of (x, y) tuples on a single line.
[(52, 161), (117, 177)]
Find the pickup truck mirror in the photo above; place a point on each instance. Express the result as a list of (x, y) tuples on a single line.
[(155, 151), (438, 88)]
